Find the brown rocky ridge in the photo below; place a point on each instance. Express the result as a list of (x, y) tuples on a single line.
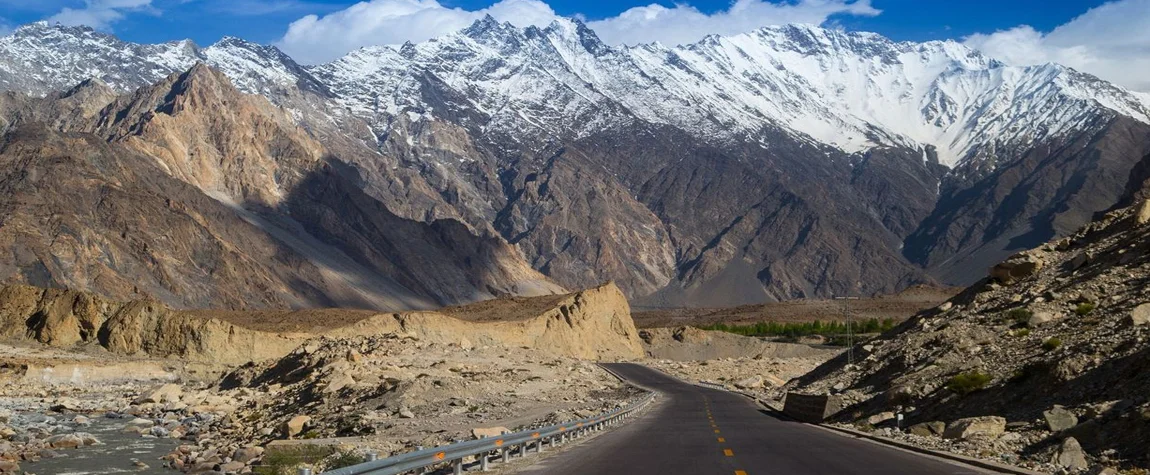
[(1044, 364)]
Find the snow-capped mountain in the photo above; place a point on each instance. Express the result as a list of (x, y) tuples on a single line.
[(479, 123), (854, 91)]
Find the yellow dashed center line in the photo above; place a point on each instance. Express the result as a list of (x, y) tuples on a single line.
[(716, 431), (728, 452), (740, 472), (721, 440)]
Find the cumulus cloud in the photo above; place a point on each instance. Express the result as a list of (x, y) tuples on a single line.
[(315, 39), (685, 24), (99, 14), (1111, 41)]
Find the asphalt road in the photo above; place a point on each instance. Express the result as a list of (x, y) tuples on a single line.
[(696, 430)]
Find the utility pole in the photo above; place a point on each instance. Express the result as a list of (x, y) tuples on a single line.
[(850, 330)]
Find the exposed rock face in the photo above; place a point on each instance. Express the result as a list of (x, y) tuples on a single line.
[(1053, 351), (592, 324), (197, 195)]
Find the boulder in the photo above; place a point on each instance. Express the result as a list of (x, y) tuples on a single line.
[(485, 432), (406, 413), (1142, 216), (753, 382), (1070, 455), (232, 467), (880, 418), (161, 394), (928, 429), (247, 454), (1140, 315), (1077, 262), (1017, 268), (295, 425), (986, 427), (1043, 317), (945, 306), (65, 441), (8, 466), (1059, 419), (140, 423)]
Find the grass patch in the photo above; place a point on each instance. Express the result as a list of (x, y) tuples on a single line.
[(1084, 309), (1021, 332), (343, 459), (798, 329), (1052, 344), (966, 383), (1020, 316), (286, 461)]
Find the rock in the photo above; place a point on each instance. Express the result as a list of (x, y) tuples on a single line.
[(7, 433), (1077, 262), (880, 418), (1042, 317), (753, 382), (139, 423), (1142, 216), (1016, 268), (928, 429), (232, 467), (247, 454), (986, 427), (485, 432), (406, 413), (945, 306), (161, 394), (81, 420), (65, 441), (1059, 419), (1070, 455), (8, 466), (1140, 315), (295, 425)]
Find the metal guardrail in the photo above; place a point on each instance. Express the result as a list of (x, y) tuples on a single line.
[(503, 446)]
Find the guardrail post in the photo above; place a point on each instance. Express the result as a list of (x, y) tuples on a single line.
[(304, 471), (506, 457), (372, 456), (483, 462), (539, 446), (458, 469), (523, 450)]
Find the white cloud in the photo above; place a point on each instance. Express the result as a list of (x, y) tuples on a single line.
[(685, 24), (1111, 41), (99, 14), (315, 39)]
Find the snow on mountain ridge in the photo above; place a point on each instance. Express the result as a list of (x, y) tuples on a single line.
[(851, 90)]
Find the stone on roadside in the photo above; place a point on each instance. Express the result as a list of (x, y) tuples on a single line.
[(986, 427), (753, 382), (247, 454), (295, 425), (1059, 419), (485, 432), (1070, 455), (928, 429), (880, 418)]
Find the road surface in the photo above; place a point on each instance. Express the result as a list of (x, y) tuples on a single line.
[(695, 430)]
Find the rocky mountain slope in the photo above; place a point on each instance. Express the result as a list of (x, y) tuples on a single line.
[(791, 161), (1052, 348), (194, 193)]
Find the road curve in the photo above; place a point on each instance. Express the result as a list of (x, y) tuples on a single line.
[(695, 430)]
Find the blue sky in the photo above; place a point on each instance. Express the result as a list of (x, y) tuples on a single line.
[(205, 21), (1109, 39)]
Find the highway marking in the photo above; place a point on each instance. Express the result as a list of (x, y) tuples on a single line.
[(740, 472), (716, 431), (721, 440), (729, 452)]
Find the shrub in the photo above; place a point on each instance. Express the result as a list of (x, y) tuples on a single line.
[(1051, 344), (1022, 332), (1019, 315), (1084, 309), (966, 383), (343, 459)]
